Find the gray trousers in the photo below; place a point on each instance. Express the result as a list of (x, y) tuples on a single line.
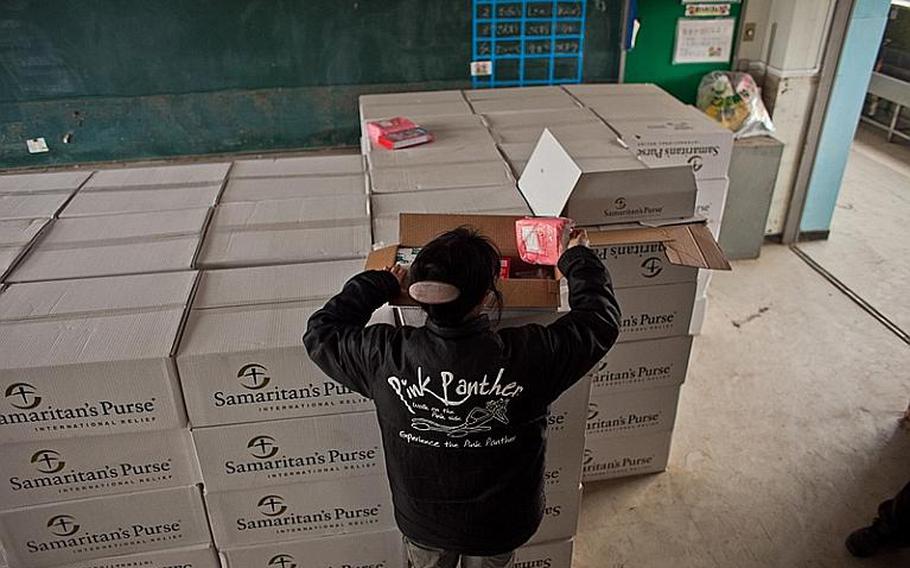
[(421, 556)]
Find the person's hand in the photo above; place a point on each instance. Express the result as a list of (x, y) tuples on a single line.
[(400, 273), (579, 238)]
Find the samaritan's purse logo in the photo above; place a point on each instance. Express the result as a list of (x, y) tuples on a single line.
[(22, 396), (593, 411), (63, 525), (651, 267), (282, 561), (696, 162), (272, 505), (48, 461), (253, 376), (262, 447), (619, 203)]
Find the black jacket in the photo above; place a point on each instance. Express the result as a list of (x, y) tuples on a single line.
[(463, 409)]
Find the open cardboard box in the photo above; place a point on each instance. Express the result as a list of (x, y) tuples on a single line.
[(554, 182), (687, 244)]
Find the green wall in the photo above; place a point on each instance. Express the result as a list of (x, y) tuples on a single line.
[(129, 79), (651, 61)]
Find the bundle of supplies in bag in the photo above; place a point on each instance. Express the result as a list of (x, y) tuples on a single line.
[(734, 100), (542, 240), (398, 132)]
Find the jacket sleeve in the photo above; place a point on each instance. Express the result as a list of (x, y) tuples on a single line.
[(337, 338), (580, 339)]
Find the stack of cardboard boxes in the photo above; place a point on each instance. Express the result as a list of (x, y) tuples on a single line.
[(461, 171), (100, 466), (28, 202), (663, 131)]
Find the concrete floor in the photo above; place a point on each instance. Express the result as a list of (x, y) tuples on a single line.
[(787, 434)]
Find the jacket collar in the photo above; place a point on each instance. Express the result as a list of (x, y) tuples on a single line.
[(471, 326)]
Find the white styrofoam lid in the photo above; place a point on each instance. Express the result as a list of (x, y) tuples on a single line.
[(549, 177), (120, 337), (34, 183), (315, 165), (190, 174), (273, 284), (20, 231), (126, 226), (66, 297)]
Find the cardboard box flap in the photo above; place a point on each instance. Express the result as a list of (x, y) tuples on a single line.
[(120, 337), (39, 183), (107, 259), (20, 231), (141, 200), (549, 178), (273, 284), (315, 165), (158, 176), (97, 296), (247, 328), (261, 189), (31, 206), (141, 226), (327, 211), (689, 244)]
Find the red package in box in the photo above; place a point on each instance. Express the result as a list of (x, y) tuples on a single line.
[(542, 240), (398, 132)]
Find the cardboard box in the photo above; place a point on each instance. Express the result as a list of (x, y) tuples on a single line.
[(32, 473), (499, 200), (557, 554), (15, 238), (116, 202), (287, 231), (560, 518), (699, 314), (417, 229), (202, 556), (635, 365), (566, 437), (292, 187), (686, 139), (109, 245), (554, 183), (279, 452), (416, 111), (555, 103), (158, 176), (413, 97), (458, 139), (53, 182), (493, 172), (622, 456), (25, 206), (652, 312), (318, 165), (632, 412), (368, 550), (704, 280), (710, 202), (91, 357), (300, 511), (76, 531), (241, 358), (652, 107), (649, 256), (613, 89), (591, 139), (513, 93)]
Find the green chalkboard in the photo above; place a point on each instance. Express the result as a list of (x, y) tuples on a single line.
[(651, 61), (125, 79)]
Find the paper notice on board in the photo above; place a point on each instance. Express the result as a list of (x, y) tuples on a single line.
[(704, 41), (712, 10)]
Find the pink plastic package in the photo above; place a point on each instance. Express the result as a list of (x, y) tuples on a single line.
[(542, 240)]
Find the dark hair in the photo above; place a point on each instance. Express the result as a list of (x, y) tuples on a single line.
[(465, 259)]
